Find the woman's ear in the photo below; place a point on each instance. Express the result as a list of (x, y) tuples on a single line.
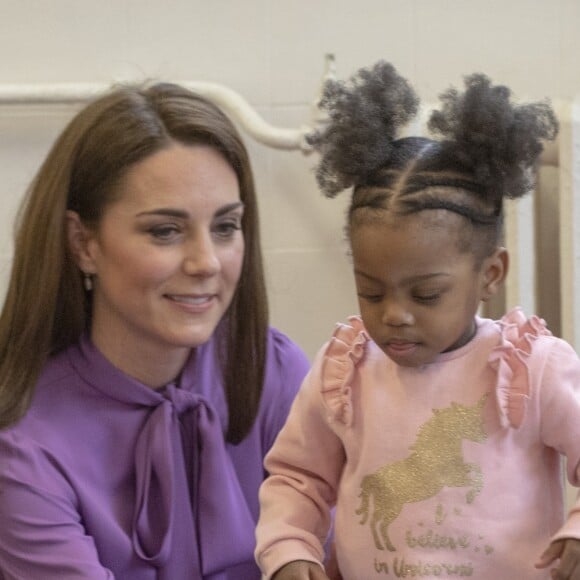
[(78, 236), (494, 270)]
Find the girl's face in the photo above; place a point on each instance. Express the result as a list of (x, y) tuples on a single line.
[(418, 294), (166, 256)]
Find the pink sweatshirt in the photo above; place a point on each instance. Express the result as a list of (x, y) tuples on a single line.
[(448, 470)]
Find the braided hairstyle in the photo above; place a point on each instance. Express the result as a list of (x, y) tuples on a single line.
[(486, 150)]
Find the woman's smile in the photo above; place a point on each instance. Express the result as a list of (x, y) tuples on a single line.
[(193, 303)]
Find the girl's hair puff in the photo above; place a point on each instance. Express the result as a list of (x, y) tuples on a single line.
[(364, 117), (487, 151), (494, 140)]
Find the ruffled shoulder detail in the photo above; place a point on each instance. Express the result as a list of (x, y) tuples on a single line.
[(343, 352), (517, 337)]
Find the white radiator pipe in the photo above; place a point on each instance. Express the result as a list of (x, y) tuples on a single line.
[(230, 101)]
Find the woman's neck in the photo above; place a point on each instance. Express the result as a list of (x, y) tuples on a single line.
[(148, 362)]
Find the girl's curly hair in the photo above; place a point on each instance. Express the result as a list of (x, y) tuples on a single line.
[(364, 117), (484, 137), (496, 141)]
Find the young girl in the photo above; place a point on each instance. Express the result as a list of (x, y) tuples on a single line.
[(436, 433)]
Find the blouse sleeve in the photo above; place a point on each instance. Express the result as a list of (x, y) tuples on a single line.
[(305, 465), (41, 535)]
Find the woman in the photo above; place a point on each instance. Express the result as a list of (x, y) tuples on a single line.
[(140, 383)]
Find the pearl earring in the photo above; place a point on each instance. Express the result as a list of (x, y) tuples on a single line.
[(87, 281)]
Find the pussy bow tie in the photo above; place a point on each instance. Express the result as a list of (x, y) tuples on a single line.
[(182, 442)]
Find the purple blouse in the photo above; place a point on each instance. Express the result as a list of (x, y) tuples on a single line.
[(106, 478)]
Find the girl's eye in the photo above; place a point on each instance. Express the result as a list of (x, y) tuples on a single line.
[(372, 298), (427, 298)]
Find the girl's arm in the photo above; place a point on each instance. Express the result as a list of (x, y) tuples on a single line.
[(560, 428), (304, 465)]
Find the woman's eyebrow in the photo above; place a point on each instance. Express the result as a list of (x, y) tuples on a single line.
[(228, 208), (179, 213), (167, 211)]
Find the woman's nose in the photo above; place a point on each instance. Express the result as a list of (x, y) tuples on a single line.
[(201, 258)]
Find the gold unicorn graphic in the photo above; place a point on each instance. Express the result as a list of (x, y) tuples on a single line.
[(436, 461)]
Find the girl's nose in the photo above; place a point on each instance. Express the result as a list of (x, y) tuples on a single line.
[(201, 258), (396, 314)]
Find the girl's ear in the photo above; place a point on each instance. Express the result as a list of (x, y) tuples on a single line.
[(78, 236), (494, 270)]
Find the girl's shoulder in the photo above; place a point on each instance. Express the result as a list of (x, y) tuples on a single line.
[(337, 363), (525, 338), (345, 349), (526, 353)]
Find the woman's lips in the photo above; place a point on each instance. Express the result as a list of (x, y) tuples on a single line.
[(193, 303)]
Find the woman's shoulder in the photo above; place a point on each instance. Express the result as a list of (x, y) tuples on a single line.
[(54, 399), (59, 378), (286, 367), (57, 368), (284, 350), (26, 445), (286, 362)]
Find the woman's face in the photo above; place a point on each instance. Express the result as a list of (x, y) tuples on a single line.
[(167, 254)]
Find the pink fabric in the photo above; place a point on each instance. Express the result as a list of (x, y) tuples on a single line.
[(367, 438), (345, 350), (510, 358)]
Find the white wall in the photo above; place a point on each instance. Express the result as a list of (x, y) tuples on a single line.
[(272, 52)]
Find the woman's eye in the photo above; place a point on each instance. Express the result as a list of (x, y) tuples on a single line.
[(227, 229), (164, 233)]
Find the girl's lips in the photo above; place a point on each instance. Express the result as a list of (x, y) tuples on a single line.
[(401, 345), (400, 348)]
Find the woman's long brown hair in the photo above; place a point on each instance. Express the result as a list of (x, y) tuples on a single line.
[(46, 308)]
